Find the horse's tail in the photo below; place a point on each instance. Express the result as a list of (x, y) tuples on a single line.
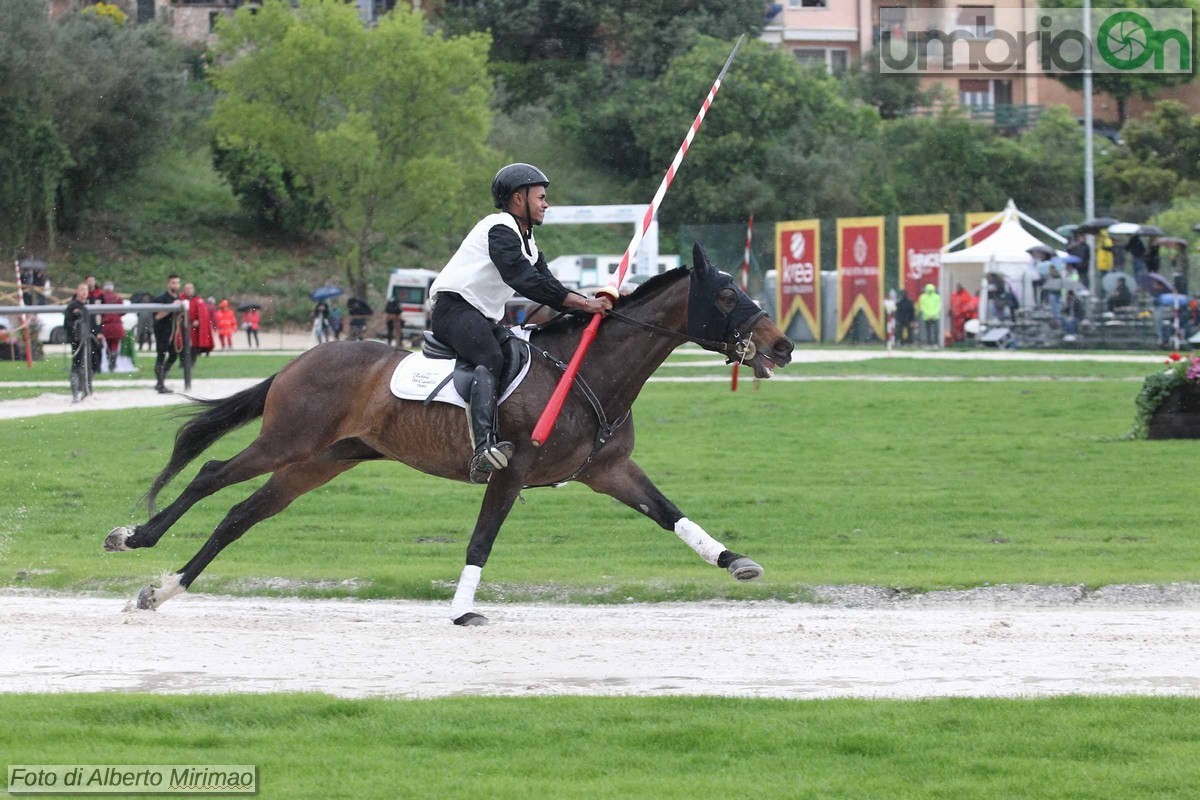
[(214, 419)]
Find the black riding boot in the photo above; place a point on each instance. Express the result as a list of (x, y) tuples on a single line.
[(490, 454)]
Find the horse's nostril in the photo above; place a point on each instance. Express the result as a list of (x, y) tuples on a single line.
[(783, 347)]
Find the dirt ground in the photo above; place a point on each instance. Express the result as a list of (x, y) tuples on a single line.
[(1004, 643)]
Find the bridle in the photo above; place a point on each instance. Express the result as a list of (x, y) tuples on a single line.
[(738, 334)]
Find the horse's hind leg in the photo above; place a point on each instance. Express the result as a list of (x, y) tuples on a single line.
[(626, 482), (258, 459), (274, 496)]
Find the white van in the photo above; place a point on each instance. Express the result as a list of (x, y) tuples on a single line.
[(409, 289)]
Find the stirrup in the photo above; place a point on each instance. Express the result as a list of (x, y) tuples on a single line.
[(488, 459)]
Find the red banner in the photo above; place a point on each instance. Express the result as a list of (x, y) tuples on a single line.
[(798, 273), (921, 241), (860, 272), (976, 218)]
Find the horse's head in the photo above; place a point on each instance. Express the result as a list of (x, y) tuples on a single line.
[(720, 312)]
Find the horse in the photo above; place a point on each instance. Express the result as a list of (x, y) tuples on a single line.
[(331, 409)]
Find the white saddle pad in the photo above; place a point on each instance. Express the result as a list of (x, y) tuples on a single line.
[(417, 376)]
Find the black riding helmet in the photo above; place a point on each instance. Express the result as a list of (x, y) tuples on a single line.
[(513, 177)]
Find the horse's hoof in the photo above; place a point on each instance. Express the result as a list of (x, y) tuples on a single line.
[(146, 599), (471, 619), (743, 569), (115, 541)]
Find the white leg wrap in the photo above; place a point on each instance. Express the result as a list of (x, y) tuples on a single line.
[(705, 546), (464, 595), (170, 587)]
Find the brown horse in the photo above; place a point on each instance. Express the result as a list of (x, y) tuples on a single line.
[(331, 409)]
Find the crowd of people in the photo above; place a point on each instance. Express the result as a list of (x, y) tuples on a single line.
[(208, 324)]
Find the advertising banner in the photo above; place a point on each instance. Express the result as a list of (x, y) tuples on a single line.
[(921, 241), (860, 272), (798, 273), (977, 217)]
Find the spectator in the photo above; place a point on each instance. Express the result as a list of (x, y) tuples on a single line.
[(1152, 255), (145, 323), (1079, 248), (335, 323), (226, 322), (80, 328), (930, 309), (1179, 262), (111, 327), (394, 328), (200, 324), (1121, 298), (1053, 292), (320, 326), (250, 323), (1073, 313), (1105, 250), (1137, 253), (93, 291), (963, 306), (905, 314), (164, 335)]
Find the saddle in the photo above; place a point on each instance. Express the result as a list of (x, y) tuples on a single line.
[(437, 374)]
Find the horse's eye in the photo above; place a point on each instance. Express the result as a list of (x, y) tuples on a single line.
[(727, 299)]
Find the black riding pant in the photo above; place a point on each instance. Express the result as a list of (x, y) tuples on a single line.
[(165, 359), (459, 325)]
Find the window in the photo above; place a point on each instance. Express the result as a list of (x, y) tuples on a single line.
[(832, 60), (808, 3), (974, 93), (979, 21), (893, 22), (213, 16), (412, 295)]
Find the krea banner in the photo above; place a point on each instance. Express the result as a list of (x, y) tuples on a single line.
[(798, 273), (860, 272), (921, 240)]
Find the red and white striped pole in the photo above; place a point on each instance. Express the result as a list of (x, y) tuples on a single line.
[(545, 423), (745, 284), (24, 317)]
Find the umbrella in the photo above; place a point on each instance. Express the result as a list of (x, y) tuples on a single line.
[(1150, 281), (249, 306), (1097, 223), (1171, 241), (1151, 230), (1069, 259), (1110, 281), (326, 292), (1041, 250), (1124, 229), (1066, 230)]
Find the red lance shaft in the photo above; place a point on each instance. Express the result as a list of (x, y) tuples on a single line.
[(745, 285), (550, 414)]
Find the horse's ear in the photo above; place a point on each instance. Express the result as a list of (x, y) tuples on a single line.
[(700, 258)]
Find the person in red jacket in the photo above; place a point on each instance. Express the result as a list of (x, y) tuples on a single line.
[(250, 321), (963, 306), (226, 322), (111, 327), (200, 320)]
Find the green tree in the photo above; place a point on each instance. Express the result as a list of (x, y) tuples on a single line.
[(766, 102), (386, 125), (892, 95), (1125, 85)]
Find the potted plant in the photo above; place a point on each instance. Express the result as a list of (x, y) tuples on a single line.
[(1168, 406)]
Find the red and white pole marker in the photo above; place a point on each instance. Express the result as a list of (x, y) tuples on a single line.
[(745, 283), (545, 423)]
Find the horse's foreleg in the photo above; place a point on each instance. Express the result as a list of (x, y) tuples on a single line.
[(626, 482), (498, 500), (274, 496)]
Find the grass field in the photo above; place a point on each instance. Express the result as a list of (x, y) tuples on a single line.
[(903, 484), (588, 748)]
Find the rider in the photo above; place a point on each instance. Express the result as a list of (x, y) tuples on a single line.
[(498, 256)]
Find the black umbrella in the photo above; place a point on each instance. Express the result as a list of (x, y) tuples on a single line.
[(1041, 250), (1151, 230), (358, 307), (1094, 225), (1153, 283), (249, 306)]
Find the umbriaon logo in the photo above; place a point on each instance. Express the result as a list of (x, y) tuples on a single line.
[(1127, 40)]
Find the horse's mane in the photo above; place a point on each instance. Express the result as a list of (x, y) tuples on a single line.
[(570, 321)]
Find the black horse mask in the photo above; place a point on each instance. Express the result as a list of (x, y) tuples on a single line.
[(718, 309)]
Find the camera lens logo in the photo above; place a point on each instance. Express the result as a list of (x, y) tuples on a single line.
[(1125, 40)]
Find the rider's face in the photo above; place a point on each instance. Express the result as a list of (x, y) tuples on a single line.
[(537, 204)]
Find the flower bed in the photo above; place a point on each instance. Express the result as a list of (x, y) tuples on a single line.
[(1168, 407)]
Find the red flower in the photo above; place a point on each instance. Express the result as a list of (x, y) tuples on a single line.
[(1176, 357)]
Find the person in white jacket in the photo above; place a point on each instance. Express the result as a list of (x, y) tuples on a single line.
[(498, 256)]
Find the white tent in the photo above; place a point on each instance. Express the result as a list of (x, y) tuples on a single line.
[(1003, 253)]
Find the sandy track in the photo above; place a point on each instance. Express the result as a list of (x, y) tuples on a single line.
[(198, 644)]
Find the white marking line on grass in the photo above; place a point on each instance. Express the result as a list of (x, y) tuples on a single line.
[(748, 649)]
